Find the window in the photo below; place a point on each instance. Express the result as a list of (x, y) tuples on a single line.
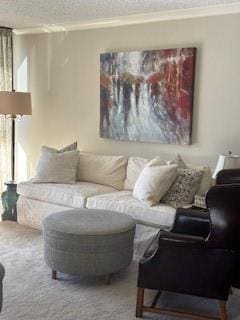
[(6, 80)]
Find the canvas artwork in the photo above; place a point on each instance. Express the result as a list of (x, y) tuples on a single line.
[(147, 95)]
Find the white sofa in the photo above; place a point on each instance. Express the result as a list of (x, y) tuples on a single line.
[(105, 182)]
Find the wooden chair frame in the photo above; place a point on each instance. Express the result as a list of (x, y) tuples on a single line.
[(141, 308)]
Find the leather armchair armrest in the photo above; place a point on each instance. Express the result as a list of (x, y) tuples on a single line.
[(182, 240), (168, 238), (192, 221), (228, 176)]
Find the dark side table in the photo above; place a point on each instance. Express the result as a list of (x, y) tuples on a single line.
[(9, 201)]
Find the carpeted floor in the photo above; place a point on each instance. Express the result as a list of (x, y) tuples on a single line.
[(29, 292)]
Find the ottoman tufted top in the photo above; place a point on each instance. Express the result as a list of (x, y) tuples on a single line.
[(88, 222)]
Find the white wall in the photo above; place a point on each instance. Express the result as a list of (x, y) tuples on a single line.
[(62, 72)]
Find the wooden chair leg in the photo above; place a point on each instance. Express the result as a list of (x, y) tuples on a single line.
[(140, 300), (155, 300), (223, 309), (108, 279), (54, 274)]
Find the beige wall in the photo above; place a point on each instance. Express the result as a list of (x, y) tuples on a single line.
[(62, 72)]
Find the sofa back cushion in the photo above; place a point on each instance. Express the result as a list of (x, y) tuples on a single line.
[(134, 167), (102, 169)]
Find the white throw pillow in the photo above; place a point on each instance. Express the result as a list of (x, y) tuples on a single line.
[(154, 181), (134, 167), (56, 167), (106, 170)]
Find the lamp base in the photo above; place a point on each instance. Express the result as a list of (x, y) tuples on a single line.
[(9, 200)]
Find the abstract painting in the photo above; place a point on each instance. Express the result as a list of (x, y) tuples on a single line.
[(147, 95)]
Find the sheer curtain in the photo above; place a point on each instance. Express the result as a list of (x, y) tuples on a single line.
[(5, 85)]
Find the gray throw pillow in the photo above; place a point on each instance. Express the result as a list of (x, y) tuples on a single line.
[(183, 189), (56, 167), (70, 147)]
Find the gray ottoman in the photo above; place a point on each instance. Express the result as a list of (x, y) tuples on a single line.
[(2, 273), (88, 242)]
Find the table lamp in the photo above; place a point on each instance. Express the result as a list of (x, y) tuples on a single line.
[(229, 161)]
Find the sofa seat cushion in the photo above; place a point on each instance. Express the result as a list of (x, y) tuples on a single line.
[(123, 201), (74, 195)]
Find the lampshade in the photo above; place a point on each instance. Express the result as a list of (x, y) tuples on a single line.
[(226, 162), (15, 103)]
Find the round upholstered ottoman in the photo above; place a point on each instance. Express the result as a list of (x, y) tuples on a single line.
[(88, 242)]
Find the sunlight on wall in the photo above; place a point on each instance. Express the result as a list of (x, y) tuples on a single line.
[(22, 76), (21, 158), (21, 164)]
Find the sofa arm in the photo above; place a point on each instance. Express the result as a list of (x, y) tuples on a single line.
[(192, 221)]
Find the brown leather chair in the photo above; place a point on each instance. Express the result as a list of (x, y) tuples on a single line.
[(228, 176), (200, 256)]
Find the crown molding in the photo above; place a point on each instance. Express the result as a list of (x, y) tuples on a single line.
[(136, 19)]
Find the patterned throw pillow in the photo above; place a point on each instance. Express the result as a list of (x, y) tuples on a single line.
[(70, 147), (185, 186), (179, 161)]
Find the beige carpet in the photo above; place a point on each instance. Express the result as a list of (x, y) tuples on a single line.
[(29, 292)]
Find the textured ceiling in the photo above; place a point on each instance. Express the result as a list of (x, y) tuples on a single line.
[(38, 13)]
